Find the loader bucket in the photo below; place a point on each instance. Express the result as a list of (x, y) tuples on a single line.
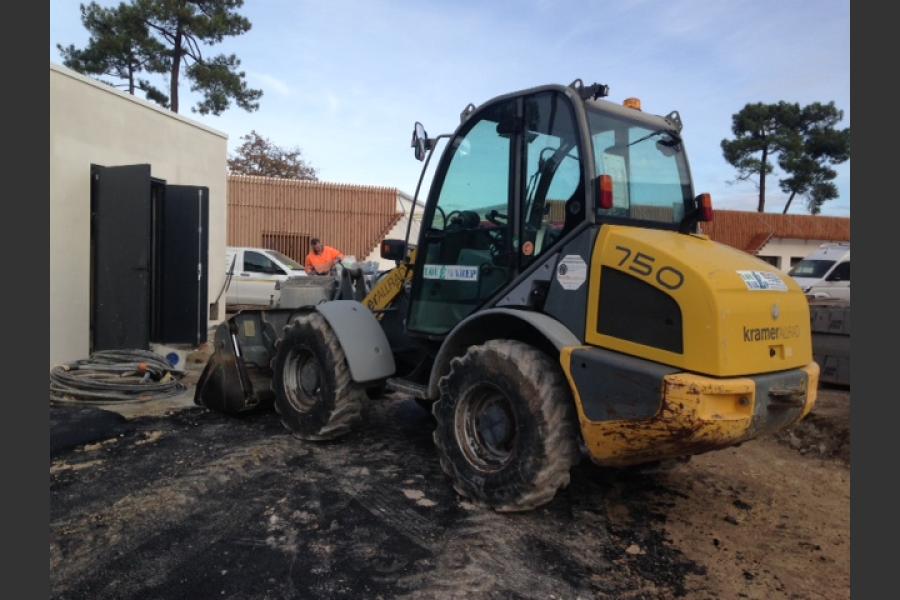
[(228, 383)]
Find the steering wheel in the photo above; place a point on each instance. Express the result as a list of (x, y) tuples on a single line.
[(448, 217)]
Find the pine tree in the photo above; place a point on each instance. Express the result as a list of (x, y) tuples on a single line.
[(167, 37), (120, 46), (807, 161), (804, 140), (761, 131), (185, 26)]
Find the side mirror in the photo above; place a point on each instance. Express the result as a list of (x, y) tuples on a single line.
[(393, 249), (420, 141)]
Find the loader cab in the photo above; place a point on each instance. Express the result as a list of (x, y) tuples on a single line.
[(522, 173)]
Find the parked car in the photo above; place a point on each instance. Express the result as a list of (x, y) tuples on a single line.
[(255, 271), (825, 273)]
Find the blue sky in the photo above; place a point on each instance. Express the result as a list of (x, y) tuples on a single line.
[(344, 81)]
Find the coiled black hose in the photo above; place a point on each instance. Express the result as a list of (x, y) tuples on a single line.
[(114, 376)]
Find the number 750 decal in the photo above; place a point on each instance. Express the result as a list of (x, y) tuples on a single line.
[(643, 264)]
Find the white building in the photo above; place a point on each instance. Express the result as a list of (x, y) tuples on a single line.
[(781, 240), (94, 125)]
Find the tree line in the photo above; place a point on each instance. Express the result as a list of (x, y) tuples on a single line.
[(804, 141)]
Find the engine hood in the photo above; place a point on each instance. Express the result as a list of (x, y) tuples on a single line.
[(739, 315)]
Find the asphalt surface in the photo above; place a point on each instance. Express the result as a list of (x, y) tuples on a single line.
[(200, 505)]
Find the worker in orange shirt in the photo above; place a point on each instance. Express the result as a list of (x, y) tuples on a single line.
[(321, 258)]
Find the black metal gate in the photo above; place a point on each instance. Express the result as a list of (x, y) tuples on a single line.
[(149, 246), (121, 255), (182, 273)]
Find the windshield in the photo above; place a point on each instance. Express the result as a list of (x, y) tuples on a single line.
[(285, 260), (648, 168), (811, 268)]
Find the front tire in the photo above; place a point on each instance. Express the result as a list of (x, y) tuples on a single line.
[(506, 431), (314, 394)]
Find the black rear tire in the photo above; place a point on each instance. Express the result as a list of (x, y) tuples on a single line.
[(314, 394), (506, 428)]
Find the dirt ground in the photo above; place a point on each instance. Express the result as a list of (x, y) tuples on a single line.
[(196, 504)]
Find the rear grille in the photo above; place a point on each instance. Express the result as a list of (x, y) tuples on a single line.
[(633, 310)]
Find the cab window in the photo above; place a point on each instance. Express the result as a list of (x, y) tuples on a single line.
[(554, 190), (466, 242), (840, 272), (648, 168), (255, 262)]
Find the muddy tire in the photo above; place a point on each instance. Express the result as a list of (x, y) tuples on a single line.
[(506, 430), (314, 394)]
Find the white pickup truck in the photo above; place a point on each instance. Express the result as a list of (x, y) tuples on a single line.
[(254, 273)]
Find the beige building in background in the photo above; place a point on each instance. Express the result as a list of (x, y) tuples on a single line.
[(284, 214), (781, 240), (93, 123)]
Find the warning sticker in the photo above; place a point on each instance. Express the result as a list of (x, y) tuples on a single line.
[(451, 272), (763, 280), (571, 272)]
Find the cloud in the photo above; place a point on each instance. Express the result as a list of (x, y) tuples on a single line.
[(273, 83), (334, 103)]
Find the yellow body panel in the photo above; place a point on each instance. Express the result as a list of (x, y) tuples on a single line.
[(812, 392), (697, 414), (383, 294), (728, 329)]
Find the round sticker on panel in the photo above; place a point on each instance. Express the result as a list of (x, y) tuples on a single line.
[(527, 248), (571, 272)]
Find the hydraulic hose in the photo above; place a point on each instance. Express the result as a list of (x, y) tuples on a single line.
[(114, 377)]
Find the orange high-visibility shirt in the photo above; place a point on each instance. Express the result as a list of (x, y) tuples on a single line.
[(322, 263)]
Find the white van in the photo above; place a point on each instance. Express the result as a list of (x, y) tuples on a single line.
[(825, 273), (255, 272)]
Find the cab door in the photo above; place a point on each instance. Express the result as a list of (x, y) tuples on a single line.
[(510, 186), (466, 244), (837, 283), (258, 278)]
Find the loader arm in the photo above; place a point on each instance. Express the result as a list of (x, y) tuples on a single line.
[(391, 285)]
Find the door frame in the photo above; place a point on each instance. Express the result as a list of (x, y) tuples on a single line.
[(515, 176)]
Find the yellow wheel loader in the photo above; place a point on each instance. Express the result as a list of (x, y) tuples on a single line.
[(560, 299)]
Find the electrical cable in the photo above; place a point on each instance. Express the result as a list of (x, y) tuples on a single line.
[(114, 377)]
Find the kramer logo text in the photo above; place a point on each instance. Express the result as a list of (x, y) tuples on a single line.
[(760, 334)]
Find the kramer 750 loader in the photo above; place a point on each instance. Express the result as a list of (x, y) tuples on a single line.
[(560, 299)]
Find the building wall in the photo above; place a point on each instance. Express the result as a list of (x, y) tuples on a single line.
[(783, 250), (91, 122), (352, 218), (740, 229)]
